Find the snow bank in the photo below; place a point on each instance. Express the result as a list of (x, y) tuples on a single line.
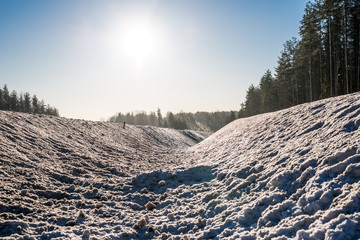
[(61, 177), (291, 174)]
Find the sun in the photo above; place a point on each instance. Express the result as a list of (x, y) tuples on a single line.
[(141, 42)]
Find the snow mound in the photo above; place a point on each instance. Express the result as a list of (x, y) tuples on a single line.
[(61, 175), (291, 174), (294, 173)]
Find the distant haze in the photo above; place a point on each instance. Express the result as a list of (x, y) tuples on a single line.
[(91, 59)]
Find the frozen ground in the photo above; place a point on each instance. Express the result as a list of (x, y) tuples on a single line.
[(291, 174)]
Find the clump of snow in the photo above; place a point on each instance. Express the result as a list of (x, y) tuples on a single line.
[(291, 174), (150, 206)]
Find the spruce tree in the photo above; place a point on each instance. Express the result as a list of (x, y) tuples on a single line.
[(14, 102), (285, 75), (35, 104), (253, 100), (27, 103), (268, 93), (159, 117), (6, 98)]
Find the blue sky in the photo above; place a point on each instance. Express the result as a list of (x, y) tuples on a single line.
[(91, 59)]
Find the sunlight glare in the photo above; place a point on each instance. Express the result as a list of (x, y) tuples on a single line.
[(141, 42)]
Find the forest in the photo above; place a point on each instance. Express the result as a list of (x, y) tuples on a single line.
[(324, 62), (201, 121), (24, 103)]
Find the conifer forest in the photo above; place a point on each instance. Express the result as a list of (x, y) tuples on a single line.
[(24, 103), (324, 62)]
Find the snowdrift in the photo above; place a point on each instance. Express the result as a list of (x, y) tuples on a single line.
[(291, 174), (52, 169)]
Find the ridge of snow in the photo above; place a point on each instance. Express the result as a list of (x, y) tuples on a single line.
[(293, 173)]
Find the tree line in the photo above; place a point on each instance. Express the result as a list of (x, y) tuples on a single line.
[(324, 62), (201, 121), (24, 103)]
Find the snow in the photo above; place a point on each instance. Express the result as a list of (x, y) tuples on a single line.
[(291, 174)]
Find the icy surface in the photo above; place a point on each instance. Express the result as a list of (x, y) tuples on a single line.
[(291, 174)]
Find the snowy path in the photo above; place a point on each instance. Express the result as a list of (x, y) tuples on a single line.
[(291, 174)]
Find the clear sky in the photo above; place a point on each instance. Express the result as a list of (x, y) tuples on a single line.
[(91, 59)]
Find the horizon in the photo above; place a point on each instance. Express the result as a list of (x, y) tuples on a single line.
[(93, 59)]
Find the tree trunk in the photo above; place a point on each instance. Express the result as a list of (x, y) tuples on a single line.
[(346, 51), (336, 65), (358, 62), (330, 56), (320, 74), (310, 78)]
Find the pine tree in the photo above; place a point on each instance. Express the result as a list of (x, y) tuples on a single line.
[(27, 103), (253, 101), (170, 120), (285, 75), (21, 103), (159, 118), (268, 93), (35, 104), (6, 98), (14, 102), (42, 107)]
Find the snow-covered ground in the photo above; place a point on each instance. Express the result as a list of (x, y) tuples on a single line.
[(291, 174)]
